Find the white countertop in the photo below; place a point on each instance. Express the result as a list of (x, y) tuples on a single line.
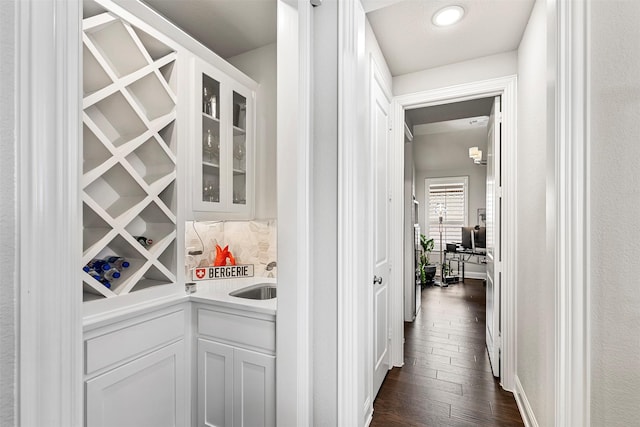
[(211, 292), (216, 292)]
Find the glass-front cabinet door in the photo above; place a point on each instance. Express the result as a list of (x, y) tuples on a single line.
[(223, 169), (239, 158), (210, 144)]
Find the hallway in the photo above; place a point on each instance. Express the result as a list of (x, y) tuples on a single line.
[(446, 380)]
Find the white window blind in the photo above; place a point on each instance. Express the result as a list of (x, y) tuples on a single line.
[(451, 195)]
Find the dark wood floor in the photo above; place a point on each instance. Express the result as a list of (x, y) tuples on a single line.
[(446, 379)]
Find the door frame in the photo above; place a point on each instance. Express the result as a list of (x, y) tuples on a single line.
[(568, 147), (506, 88), (48, 150)]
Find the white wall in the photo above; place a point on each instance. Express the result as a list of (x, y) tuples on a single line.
[(488, 67), (8, 228), (534, 282), (324, 207), (260, 65), (615, 212), (447, 155)]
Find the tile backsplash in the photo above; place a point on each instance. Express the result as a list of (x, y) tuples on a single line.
[(250, 242)]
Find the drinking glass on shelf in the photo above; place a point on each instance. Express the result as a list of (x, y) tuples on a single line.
[(238, 149), (205, 192), (206, 104), (213, 107), (211, 145)]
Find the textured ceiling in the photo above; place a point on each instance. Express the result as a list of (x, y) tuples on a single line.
[(410, 42), (227, 27), (453, 111)]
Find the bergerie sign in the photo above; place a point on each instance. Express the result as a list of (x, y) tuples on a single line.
[(223, 272)]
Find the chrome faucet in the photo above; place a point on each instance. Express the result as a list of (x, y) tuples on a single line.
[(270, 267)]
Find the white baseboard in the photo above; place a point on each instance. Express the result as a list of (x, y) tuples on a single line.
[(528, 417), (367, 421)]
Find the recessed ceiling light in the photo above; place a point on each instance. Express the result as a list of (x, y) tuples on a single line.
[(448, 16)]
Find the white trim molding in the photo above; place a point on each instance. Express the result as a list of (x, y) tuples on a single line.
[(50, 291), (571, 149), (293, 325), (506, 87), (526, 411), (352, 265)]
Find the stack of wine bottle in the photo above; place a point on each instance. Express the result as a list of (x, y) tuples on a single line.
[(106, 270)]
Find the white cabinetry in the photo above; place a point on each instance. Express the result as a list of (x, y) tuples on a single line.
[(236, 383), (215, 384), (147, 392), (254, 398), (223, 144), (136, 371)]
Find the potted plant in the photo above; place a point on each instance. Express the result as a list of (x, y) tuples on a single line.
[(426, 270)]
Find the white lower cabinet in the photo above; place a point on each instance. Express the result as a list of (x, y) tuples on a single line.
[(254, 382), (146, 392), (236, 377), (180, 364), (136, 371), (236, 387), (215, 384)]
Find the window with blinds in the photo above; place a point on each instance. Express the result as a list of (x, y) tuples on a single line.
[(447, 196)]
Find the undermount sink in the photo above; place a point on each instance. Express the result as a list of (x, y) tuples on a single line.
[(260, 291)]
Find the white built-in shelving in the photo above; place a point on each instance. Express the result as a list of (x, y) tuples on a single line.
[(129, 161)]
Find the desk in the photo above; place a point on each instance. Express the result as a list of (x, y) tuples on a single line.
[(464, 256)]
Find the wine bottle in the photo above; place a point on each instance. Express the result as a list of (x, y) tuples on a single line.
[(111, 274), (98, 265), (118, 262), (143, 240)]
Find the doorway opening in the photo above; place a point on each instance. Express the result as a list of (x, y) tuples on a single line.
[(503, 297), (441, 178), (502, 90)]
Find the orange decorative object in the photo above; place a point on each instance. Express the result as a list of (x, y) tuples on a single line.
[(222, 255)]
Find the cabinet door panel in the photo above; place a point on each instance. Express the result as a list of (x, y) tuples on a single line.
[(209, 140), (148, 392), (240, 158), (215, 384), (223, 145), (254, 394)]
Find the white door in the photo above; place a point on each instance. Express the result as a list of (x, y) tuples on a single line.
[(494, 207), (380, 138)]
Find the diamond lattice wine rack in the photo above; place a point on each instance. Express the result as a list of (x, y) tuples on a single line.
[(129, 165)]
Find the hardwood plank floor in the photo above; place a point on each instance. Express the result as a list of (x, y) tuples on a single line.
[(446, 379)]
